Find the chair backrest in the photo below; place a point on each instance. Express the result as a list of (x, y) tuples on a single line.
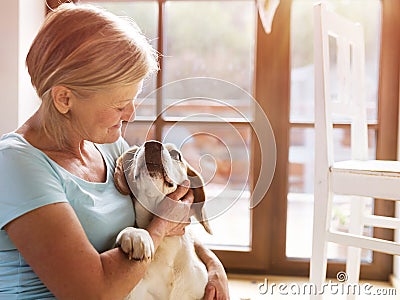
[(339, 67)]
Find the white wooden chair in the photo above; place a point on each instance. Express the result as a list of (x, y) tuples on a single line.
[(358, 177)]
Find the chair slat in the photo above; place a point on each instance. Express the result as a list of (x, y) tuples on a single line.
[(364, 242)]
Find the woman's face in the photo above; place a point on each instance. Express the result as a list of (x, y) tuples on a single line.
[(99, 118)]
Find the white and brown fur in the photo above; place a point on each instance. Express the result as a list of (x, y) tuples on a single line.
[(148, 173)]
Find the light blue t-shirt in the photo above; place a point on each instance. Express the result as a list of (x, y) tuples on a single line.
[(30, 179)]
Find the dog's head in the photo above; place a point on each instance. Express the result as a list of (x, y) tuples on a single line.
[(153, 170)]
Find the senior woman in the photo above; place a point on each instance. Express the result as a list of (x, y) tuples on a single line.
[(59, 209)]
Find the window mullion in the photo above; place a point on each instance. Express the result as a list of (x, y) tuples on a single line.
[(160, 75)]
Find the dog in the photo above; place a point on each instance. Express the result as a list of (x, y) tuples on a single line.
[(148, 173)]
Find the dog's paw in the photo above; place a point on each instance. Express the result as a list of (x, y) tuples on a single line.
[(137, 243)]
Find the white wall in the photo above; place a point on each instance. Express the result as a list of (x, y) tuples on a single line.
[(19, 23)]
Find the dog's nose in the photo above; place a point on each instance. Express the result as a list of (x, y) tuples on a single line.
[(152, 152), (154, 146)]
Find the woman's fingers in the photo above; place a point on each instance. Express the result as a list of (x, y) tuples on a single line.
[(188, 198), (176, 206), (181, 191)]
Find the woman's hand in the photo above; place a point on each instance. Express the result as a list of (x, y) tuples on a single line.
[(174, 210), (217, 286)]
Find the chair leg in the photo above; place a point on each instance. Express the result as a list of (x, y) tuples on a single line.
[(318, 264), (353, 269), (319, 259), (356, 226)]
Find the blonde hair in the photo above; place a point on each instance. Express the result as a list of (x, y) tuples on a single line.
[(87, 50)]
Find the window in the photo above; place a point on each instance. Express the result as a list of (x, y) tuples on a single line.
[(202, 101), (215, 120)]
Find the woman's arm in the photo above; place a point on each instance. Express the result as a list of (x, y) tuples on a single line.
[(217, 286), (54, 244)]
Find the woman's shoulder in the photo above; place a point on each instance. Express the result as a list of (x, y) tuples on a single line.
[(15, 150), (14, 141)]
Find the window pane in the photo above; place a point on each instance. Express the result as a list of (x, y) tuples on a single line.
[(145, 14), (210, 39), (301, 189), (206, 99), (366, 12), (221, 155)]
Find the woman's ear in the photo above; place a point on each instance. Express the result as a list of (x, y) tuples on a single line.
[(61, 98)]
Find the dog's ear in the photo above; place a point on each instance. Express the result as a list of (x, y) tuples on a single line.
[(197, 185), (119, 173)]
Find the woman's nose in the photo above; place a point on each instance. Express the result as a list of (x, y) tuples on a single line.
[(128, 113)]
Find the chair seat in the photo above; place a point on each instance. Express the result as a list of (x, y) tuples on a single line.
[(369, 178), (368, 167)]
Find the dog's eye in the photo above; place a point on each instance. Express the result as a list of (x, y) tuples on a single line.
[(175, 155)]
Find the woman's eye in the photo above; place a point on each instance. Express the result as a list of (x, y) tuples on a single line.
[(121, 108)]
